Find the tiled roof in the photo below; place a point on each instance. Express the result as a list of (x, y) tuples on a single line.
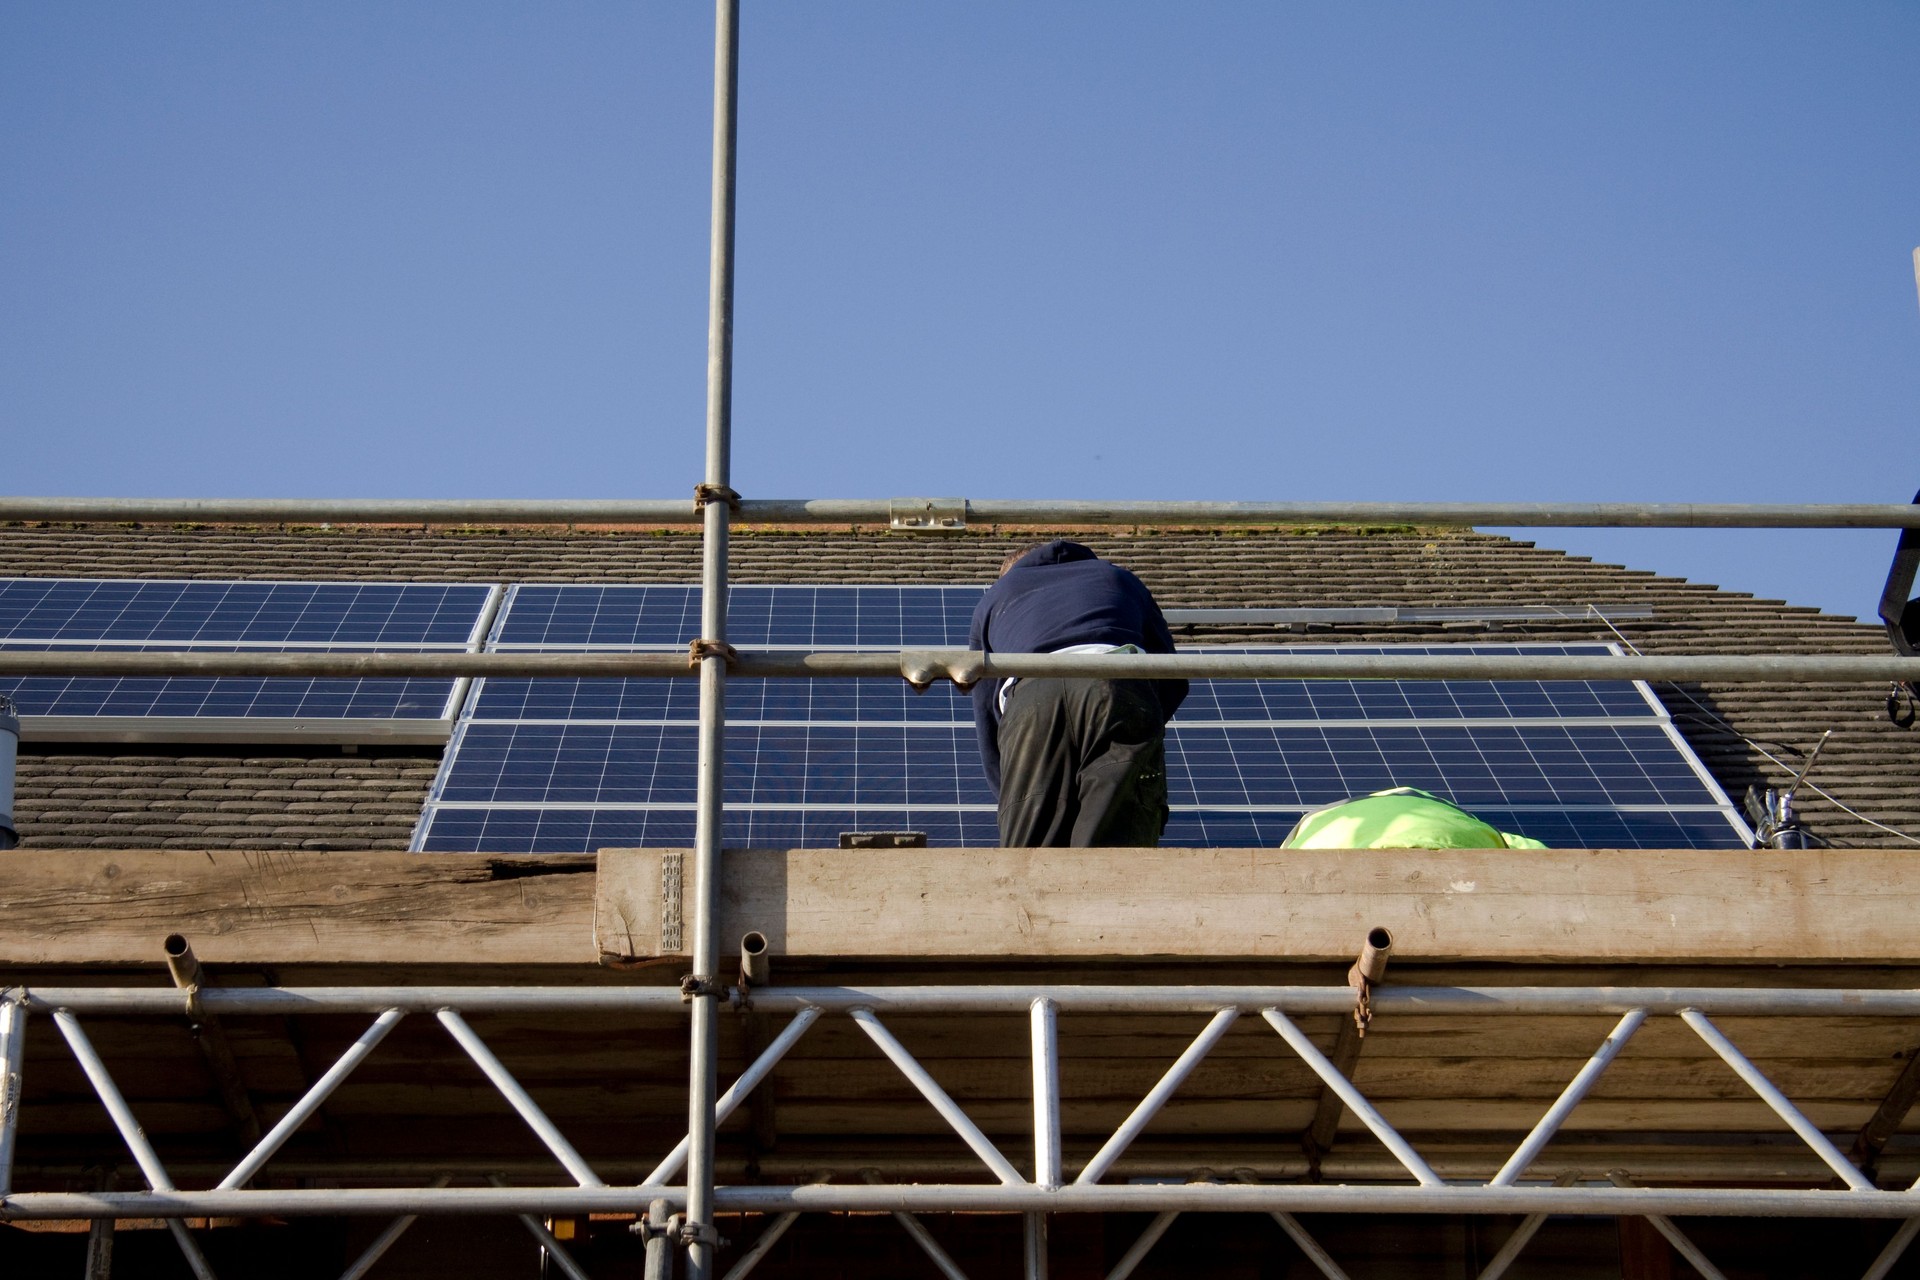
[(149, 797), (270, 798)]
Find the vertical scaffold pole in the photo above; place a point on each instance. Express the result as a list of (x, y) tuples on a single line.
[(1046, 1128), (715, 493), (13, 1048)]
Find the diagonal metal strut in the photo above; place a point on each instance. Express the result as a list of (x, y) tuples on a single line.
[(1356, 1101), (520, 1099), (749, 1080), (930, 1089), (130, 1132), (1757, 1081)]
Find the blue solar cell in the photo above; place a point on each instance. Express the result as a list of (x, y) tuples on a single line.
[(570, 830), (223, 613), (1564, 829), (1477, 766), (67, 614), (1208, 701), (1412, 700), (507, 830), (1622, 829), (572, 617), (1474, 765), (679, 700), (249, 698), (905, 766)]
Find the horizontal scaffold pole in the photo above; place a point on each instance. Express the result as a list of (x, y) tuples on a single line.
[(842, 511), (978, 1198), (1005, 998), (1279, 1161), (925, 666)]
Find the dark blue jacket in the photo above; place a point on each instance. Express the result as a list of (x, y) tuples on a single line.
[(1054, 597)]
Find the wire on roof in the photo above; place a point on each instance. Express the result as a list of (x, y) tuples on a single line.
[(1708, 713)]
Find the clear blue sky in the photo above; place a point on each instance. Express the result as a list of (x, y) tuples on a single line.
[(1256, 251)]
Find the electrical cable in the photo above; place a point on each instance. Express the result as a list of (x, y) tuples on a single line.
[(1710, 714)]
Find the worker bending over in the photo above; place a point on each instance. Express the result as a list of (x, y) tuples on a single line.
[(1073, 762)]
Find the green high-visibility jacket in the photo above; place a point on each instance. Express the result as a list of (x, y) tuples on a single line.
[(1402, 818)]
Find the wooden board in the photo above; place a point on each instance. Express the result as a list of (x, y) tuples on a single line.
[(1481, 904), (76, 907), (463, 911)]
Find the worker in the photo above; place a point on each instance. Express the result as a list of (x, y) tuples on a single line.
[(1073, 762), (1402, 818)]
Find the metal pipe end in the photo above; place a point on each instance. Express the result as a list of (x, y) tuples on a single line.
[(182, 965), (1374, 954), (756, 961)]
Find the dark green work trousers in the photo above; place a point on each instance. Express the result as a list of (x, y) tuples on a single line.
[(1082, 763)]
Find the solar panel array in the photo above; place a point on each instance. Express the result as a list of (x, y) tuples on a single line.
[(200, 616), (574, 765)]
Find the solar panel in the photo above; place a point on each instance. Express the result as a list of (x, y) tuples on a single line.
[(1314, 701), (678, 701), (221, 614), (1597, 828), (182, 697), (844, 765), (141, 614), (555, 765), (1261, 701), (758, 617), (553, 830), (910, 766)]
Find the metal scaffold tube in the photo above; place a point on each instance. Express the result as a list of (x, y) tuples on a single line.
[(1582, 1084), (967, 667), (387, 1238), (714, 496), (131, 1133), (749, 1080), (1005, 998), (1136, 1123), (991, 511), (303, 1110), (977, 1197), (13, 1048)]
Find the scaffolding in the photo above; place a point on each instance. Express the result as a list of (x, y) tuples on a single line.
[(679, 1197), (1036, 1184)]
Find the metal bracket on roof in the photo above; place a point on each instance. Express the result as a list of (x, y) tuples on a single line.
[(927, 515), (883, 839)]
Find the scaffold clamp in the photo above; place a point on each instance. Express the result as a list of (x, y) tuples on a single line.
[(698, 650), (693, 986), (705, 493)]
